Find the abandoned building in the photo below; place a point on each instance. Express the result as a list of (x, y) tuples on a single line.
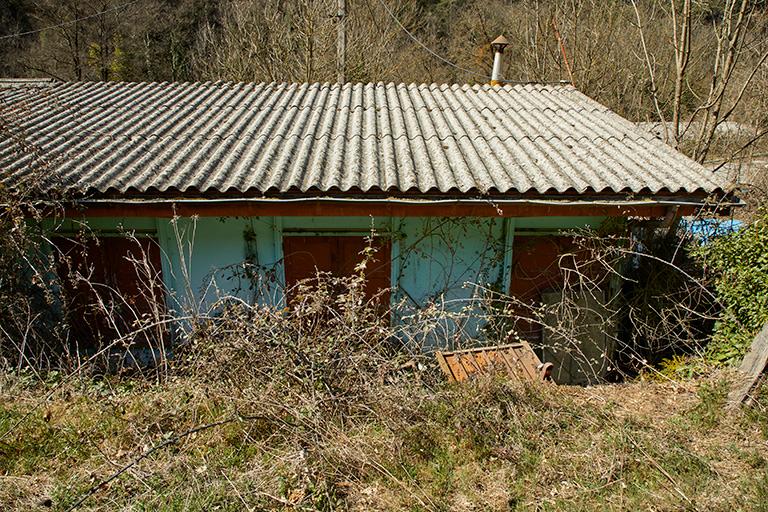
[(461, 185)]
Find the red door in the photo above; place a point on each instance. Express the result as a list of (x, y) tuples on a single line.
[(535, 269), (339, 255), (112, 287), (540, 264)]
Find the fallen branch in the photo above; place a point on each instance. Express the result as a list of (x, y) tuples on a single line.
[(173, 440)]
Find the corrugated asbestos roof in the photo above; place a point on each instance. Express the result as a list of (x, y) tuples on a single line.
[(238, 138)]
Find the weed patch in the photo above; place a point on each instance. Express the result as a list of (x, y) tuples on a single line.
[(488, 445)]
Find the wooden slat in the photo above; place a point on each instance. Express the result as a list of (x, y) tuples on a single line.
[(444, 366), (481, 357), (468, 370), (487, 360), (520, 365), (457, 369), (530, 361), (512, 362), (474, 362), (511, 370)]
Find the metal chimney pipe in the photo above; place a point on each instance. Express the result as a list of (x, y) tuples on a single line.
[(497, 46)]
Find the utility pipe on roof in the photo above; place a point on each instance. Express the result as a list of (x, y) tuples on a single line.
[(497, 46)]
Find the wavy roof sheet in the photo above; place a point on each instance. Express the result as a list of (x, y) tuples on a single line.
[(238, 138)]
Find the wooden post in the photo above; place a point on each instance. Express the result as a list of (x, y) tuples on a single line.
[(671, 218), (752, 366), (341, 42)]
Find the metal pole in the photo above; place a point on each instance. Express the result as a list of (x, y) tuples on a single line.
[(496, 73), (341, 42)]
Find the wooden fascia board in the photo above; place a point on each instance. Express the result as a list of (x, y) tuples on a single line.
[(320, 208)]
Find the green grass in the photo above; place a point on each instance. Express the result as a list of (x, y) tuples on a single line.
[(483, 446)]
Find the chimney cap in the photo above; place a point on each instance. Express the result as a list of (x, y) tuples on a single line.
[(499, 43)]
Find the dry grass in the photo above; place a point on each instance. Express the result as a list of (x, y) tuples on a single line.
[(321, 406), (483, 446)]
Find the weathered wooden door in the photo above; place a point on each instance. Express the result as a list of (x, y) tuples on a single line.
[(112, 286), (304, 256), (535, 270), (580, 346), (543, 266)]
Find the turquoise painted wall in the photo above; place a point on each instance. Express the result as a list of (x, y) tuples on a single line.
[(444, 266), (204, 260), (438, 264)]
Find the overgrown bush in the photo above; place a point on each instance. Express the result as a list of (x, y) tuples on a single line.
[(668, 303), (739, 262), (29, 327), (330, 346), (657, 301)]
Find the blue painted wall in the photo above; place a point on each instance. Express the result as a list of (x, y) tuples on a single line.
[(438, 264)]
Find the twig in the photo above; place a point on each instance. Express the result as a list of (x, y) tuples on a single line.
[(234, 488), (175, 439), (663, 471)]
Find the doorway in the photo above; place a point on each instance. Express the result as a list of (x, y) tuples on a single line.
[(338, 255)]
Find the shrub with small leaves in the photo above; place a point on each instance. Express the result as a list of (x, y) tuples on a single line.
[(740, 263)]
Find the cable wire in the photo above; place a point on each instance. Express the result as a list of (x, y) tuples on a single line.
[(427, 48), (70, 22)]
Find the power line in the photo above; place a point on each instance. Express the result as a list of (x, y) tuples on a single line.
[(70, 22), (427, 48)]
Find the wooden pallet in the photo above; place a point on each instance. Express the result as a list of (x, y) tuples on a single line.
[(517, 360)]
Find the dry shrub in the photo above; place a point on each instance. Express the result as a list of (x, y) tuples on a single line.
[(30, 331), (660, 302), (332, 345), (336, 338)]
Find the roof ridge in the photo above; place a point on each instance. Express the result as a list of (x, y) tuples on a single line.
[(26, 82), (555, 84), (359, 106)]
